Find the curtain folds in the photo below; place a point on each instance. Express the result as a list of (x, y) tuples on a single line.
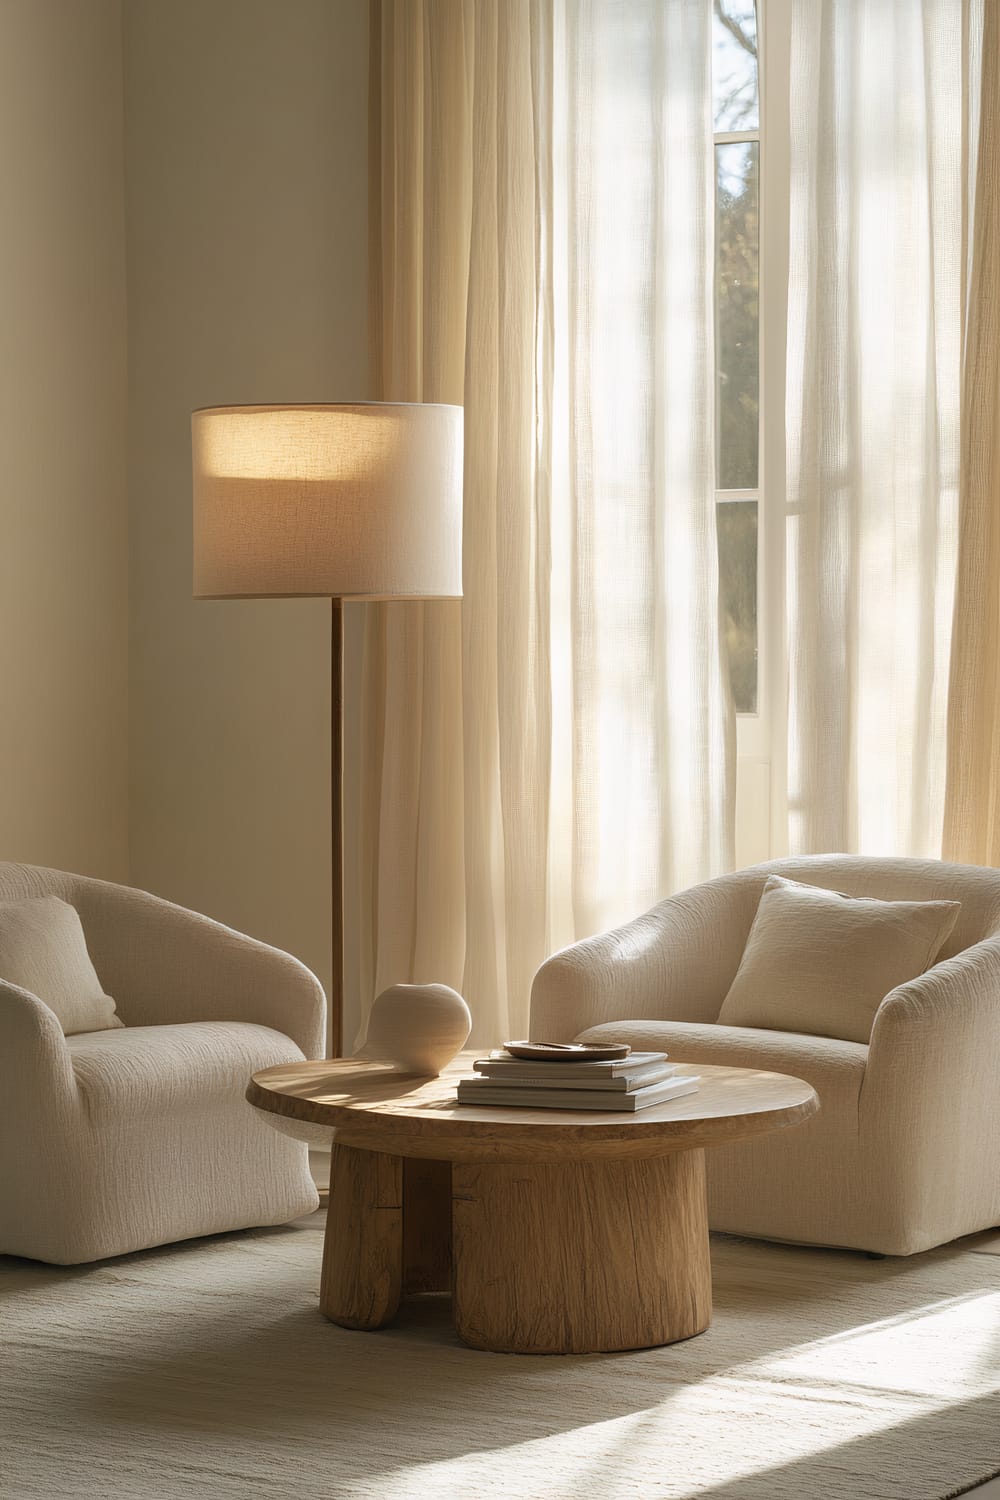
[(972, 810), (874, 359), (557, 754), (411, 861), (644, 738)]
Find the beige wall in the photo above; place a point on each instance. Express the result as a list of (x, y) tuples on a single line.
[(246, 233), (63, 518)]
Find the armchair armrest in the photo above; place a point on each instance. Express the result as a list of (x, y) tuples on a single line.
[(675, 962), (165, 964), (39, 1073), (930, 1094), (941, 1029)]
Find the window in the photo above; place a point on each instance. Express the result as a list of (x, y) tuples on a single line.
[(737, 339)]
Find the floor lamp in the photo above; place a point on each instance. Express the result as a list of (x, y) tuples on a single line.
[(358, 501)]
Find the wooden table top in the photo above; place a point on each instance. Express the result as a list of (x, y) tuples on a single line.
[(373, 1107)]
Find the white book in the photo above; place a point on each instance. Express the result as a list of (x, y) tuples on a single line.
[(498, 1075), (479, 1091), (500, 1061)]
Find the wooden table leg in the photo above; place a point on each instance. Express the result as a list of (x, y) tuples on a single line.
[(426, 1225), (363, 1247), (581, 1256)]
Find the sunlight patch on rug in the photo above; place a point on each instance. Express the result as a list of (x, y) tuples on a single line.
[(900, 1371)]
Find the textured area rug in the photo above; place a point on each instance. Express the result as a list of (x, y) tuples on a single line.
[(207, 1370)]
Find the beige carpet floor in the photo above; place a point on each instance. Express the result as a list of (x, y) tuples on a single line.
[(206, 1370)]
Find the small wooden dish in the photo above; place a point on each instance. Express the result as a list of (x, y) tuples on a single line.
[(568, 1051)]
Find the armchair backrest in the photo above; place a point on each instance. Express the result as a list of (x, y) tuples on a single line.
[(18, 882), (977, 888), (884, 879), (678, 960), (162, 963)]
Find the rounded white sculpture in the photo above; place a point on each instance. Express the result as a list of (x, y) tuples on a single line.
[(418, 1027)]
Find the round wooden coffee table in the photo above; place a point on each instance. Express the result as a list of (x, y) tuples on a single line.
[(557, 1231)]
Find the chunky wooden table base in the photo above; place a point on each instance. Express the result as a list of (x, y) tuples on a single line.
[(582, 1257), (547, 1260), (362, 1277), (388, 1232), (558, 1232)]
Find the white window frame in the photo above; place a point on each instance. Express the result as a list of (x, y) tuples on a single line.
[(760, 738)]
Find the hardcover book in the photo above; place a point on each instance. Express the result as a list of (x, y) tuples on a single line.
[(569, 1076), (499, 1059), (484, 1091)]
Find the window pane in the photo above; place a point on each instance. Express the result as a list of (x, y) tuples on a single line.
[(734, 65), (737, 527), (736, 239)]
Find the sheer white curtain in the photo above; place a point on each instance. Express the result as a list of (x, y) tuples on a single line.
[(593, 714), (875, 305), (642, 731)]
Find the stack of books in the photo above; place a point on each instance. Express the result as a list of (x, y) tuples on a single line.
[(628, 1083)]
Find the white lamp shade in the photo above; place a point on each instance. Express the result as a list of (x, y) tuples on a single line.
[(352, 502)]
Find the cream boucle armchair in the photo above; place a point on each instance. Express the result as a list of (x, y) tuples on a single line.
[(111, 1141), (905, 1150)]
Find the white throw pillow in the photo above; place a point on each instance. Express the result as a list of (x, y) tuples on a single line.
[(43, 949), (820, 962)]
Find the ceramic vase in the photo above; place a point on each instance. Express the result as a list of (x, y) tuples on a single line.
[(418, 1027)]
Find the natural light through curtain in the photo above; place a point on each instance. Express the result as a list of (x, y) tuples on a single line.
[(595, 727), (872, 418), (642, 733)]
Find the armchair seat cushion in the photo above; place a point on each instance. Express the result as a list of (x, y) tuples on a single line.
[(163, 1145), (811, 1184), (835, 1069), (152, 1069), (831, 1066)]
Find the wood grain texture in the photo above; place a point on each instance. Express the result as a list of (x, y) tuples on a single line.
[(426, 1225), (375, 1108), (361, 1280), (582, 1257)]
